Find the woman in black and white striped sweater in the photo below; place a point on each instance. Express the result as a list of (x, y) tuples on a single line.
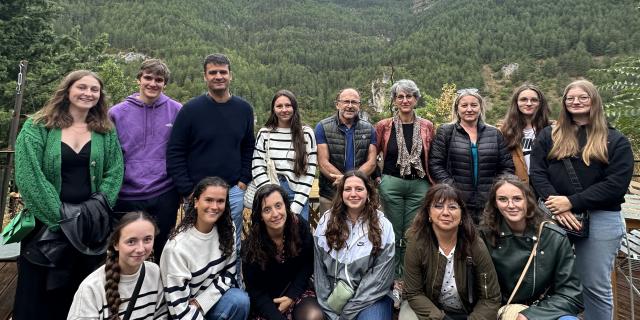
[(292, 148), (107, 292), (198, 263)]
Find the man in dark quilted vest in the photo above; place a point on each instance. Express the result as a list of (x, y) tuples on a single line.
[(345, 142)]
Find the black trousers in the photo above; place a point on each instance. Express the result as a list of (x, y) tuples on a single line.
[(163, 208), (34, 301)]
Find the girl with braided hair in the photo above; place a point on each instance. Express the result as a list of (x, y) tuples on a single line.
[(198, 263), (106, 292)]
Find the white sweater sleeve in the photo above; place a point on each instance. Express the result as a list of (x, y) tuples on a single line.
[(303, 188), (176, 277), (258, 164), (86, 304)]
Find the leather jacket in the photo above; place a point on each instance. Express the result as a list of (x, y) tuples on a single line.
[(424, 272), (551, 286)]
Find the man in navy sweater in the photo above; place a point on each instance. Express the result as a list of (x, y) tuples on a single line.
[(213, 136)]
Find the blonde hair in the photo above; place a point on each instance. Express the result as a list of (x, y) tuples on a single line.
[(565, 133), (464, 93)]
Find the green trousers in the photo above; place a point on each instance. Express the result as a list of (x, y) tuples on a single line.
[(401, 199)]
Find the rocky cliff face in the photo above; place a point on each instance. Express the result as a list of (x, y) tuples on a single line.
[(422, 5)]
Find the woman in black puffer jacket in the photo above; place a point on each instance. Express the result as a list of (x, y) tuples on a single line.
[(469, 153)]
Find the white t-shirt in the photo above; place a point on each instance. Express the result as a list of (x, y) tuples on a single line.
[(527, 144)]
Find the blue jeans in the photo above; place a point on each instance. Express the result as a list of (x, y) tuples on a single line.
[(380, 310), (594, 260), (285, 185), (236, 198), (233, 305)]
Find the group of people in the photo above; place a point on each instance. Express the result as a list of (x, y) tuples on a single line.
[(440, 223)]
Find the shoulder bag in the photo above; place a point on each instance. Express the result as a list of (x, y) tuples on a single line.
[(582, 217), (19, 227), (250, 193), (510, 311), (342, 291), (134, 296)]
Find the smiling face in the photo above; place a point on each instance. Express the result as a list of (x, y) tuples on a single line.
[(84, 94), (218, 77), (445, 215), (151, 86), (354, 194), (135, 245), (210, 207), (578, 103), (283, 110), (405, 102), (512, 204), (348, 105), (528, 102), (469, 109), (274, 212)]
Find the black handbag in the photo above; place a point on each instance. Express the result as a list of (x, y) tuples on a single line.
[(582, 217)]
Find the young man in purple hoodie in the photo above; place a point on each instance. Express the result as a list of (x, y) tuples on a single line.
[(144, 121)]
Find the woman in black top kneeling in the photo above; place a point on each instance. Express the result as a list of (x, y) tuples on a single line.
[(278, 260)]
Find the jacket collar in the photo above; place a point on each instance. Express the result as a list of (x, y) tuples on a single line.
[(505, 231), (481, 125)]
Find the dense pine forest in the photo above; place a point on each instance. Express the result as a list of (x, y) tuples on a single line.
[(316, 47)]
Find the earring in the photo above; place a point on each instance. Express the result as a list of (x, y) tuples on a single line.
[(430, 219)]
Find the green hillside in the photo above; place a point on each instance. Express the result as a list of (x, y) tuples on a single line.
[(315, 47)]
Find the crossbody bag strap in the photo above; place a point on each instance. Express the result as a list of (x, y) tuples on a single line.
[(526, 267), (573, 177), (134, 295)]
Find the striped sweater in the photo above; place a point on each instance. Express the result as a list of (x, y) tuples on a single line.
[(192, 266), (90, 301), (282, 154)]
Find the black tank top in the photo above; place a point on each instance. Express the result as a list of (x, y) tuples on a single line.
[(76, 180)]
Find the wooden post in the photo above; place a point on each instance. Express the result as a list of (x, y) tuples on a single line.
[(13, 133)]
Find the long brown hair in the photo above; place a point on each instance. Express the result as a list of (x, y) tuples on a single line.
[(422, 228), (514, 122), (492, 218), (565, 133), (297, 134), (259, 246), (337, 230), (224, 223), (112, 267), (55, 113)]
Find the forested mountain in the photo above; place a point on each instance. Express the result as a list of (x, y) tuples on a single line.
[(315, 47)]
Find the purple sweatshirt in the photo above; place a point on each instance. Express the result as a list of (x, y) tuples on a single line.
[(144, 131)]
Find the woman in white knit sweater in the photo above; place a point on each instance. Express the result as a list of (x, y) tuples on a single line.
[(292, 148), (198, 263), (107, 292)]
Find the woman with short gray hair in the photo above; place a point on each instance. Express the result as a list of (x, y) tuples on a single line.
[(404, 141)]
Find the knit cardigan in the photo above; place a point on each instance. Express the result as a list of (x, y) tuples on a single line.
[(38, 173)]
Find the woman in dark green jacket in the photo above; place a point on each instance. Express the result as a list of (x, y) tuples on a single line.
[(448, 270), (551, 287)]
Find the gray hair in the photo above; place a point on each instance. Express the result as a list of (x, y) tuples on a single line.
[(461, 94), (406, 86)]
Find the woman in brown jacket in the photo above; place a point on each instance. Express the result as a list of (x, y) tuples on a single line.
[(448, 270), (527, 115)]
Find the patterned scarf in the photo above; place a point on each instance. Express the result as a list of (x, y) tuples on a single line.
[(407, 160)]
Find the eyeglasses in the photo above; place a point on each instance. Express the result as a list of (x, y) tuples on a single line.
[(514, 200), (581, 99), (402, 97), (467, 90), (451, 207), (354, 103)]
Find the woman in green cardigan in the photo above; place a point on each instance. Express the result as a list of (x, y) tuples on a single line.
[(66, 152)]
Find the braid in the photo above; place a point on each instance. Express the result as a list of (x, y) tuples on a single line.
[(112, 277)]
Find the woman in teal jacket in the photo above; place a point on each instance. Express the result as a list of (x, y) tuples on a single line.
[(510, 226), (66, 152)]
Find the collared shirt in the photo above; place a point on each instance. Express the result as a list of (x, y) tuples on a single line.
[(449, 297), (349, 157)]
